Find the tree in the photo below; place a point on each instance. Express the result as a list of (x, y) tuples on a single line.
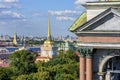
[(22, 77), (64, 77), (63, 67), (70, 54), (5, 73), (23, 62)]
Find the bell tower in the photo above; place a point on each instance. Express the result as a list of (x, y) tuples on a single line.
[(15, 39)]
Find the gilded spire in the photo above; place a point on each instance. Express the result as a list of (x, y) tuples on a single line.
[(15, 39), (49, 31)]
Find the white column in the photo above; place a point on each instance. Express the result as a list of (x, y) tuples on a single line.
[(107, 77)]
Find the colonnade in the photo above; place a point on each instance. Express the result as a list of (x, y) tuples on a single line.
[(86, 63)]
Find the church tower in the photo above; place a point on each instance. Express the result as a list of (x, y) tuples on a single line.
[(49, 49), (15, 39)]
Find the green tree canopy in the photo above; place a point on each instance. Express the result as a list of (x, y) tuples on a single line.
[(63, 67), (22, 67), (5, 73), (23, 61)]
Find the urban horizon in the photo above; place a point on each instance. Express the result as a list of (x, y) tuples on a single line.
[(31, 17)]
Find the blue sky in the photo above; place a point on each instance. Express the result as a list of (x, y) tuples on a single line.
[(30, 17)]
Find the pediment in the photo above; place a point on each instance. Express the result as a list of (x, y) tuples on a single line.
[(107, 21), (112, 24)]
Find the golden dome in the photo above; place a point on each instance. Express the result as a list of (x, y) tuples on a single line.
[(48, 42)]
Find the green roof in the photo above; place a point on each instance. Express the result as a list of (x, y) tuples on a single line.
[(79, 22)]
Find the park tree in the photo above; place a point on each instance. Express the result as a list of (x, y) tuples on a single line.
[(22, 77), (5, 73), (22, 67), (63, 67), (23, 62)]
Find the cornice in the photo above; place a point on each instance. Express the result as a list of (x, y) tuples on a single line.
[(101, 45)]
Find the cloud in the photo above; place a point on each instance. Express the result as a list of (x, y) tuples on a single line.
[(2, 6), (65, 14), (10, 15), (8, 6), (37, 14), (77, 2), (61, 18), (9, 1), (3, 23)]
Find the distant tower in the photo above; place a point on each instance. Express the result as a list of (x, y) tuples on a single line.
[(15, 39), (49, 49), (23, 40)]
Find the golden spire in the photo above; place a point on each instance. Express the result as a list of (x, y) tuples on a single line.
[(15, 39), (49, 31), (49, 40)]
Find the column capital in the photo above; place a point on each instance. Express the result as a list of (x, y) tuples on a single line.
[(85, 51), (89, 55)]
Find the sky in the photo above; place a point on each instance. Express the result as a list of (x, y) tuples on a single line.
[(30, 17)]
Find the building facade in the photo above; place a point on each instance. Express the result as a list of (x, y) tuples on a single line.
[(99, 41)]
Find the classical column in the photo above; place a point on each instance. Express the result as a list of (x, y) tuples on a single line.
[(85, 63), (82, 68), (89, 65), (82, 64)]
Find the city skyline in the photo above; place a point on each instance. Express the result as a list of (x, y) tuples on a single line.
[(31, 17)]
